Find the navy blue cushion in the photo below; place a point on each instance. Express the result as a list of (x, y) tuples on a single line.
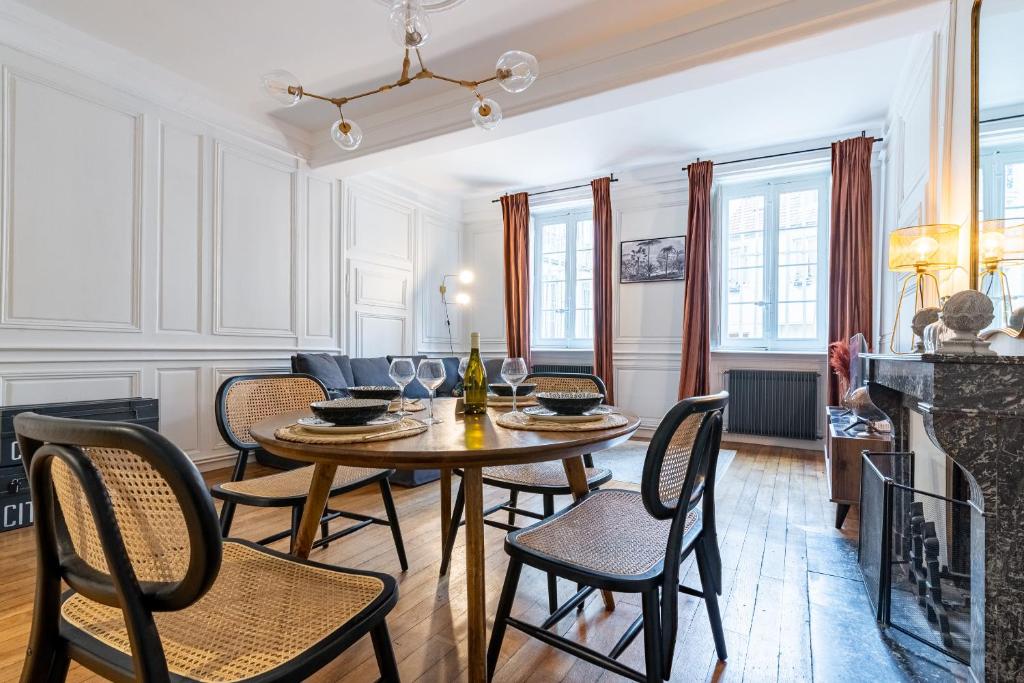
[(323, 367), (451, 379), (345, 363), (371, 372), (414, 389), (492, 366)]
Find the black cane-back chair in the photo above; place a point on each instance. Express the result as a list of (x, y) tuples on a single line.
[(124, 518), (634, 542), (546, 478), (244, 400)]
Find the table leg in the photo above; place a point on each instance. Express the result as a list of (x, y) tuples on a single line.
[(577, 476), (446, 504), (319, 490), (475, 596)]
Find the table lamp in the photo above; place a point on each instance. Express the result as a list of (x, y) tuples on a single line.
[(920, 251), (1001, 242)]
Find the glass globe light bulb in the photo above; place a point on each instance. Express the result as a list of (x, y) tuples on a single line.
[(283, 87), (410, 24), (486, 113), (346, 134), (462, 299), (516, 70), (925, 247), (992, 246), (466, 277)]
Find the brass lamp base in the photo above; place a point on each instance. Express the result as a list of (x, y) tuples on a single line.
[(919, 278)]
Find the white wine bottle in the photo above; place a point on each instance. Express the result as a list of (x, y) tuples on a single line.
[(474, 381)]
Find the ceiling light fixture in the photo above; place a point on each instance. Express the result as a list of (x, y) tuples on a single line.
[(515, 71)]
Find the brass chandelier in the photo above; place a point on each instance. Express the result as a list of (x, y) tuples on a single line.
[(515, 71)]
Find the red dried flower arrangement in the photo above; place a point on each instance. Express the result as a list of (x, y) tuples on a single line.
[(839, 361)]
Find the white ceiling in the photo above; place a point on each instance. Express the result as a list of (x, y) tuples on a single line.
[(338, 47), (840, 92)]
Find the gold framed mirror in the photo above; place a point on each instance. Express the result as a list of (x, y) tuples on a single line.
[(997, 159)]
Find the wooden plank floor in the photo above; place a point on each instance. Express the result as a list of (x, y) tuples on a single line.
[(793, 604)]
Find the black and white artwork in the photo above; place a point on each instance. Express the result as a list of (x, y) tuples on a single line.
[(661, 258)]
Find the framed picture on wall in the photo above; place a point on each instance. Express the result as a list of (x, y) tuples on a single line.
[(653, 260)]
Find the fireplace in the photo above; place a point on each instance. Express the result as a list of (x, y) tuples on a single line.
[(915, 549)]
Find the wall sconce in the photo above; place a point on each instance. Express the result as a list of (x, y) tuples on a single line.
[(920, 251), (461, 298)]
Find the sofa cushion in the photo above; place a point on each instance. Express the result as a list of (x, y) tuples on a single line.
[(323, 367), (371, 372), (345, 363)]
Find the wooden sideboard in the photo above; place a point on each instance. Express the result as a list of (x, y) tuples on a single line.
[(842, 460)]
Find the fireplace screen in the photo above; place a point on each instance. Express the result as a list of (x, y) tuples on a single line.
[(915, 547)]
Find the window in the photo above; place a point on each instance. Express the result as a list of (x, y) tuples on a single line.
[(1002, 196), (772, 240), (563, 259)]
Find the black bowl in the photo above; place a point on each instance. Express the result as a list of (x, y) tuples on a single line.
[(506, 389), (346, 412), (382, 392), (569, 402)]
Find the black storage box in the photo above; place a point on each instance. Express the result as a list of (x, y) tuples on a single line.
[(15, 501)]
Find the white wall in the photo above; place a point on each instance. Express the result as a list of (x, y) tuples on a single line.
[(150, 252), (647, 317)]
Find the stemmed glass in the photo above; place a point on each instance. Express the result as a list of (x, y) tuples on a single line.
[(431, 374), (513, 371), (463, 364), (402, 372)]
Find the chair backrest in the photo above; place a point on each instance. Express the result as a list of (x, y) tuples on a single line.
[(567, 381), (681, 455), (244, 400), (679, 473), (120, 511)]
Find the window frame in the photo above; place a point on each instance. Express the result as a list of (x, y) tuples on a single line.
[(571, 217), (771, 189)]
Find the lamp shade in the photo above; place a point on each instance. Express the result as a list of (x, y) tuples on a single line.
[(924, 247), (1001, 241)]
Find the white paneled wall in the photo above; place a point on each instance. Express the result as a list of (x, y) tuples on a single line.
[(150, 253)]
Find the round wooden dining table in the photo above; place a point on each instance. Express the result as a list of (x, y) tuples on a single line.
[(467, 442)]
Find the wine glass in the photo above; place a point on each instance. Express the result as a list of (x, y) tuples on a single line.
[(431, 374), (513, 371), (463, 364), (402, 371)]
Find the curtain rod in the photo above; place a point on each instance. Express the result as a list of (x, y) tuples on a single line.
[(780, 154), (1003, 118), (559, 189)]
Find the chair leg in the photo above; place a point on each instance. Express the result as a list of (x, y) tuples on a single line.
[(453, 528), (296, 520), (324, 532), (513, 501), (508, 596), (396, 530), (47, 659), (385, 653), (652, 636), (711, 602), (227, 510), (588, 460), (549, 509)]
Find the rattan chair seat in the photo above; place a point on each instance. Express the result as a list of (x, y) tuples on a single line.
[(549, 474), (262, 612), (295, 483), (609, 532)]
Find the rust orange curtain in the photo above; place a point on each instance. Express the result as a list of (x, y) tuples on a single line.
[(601, 189), (695, 371), (849, 264), (515, 216)]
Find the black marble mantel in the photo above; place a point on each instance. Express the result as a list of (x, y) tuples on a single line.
[(973, 410)]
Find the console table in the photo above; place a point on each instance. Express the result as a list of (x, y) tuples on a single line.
[(972, 408), (842, 459)]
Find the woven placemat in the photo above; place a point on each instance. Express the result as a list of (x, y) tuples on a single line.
[(297, 433), (523, 421), (410, 407)]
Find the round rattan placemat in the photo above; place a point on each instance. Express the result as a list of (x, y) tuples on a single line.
[(410, 407), (523, 421), (399, 430)]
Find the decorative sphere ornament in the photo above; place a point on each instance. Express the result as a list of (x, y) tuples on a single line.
[(965, 314), (922, 319)]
